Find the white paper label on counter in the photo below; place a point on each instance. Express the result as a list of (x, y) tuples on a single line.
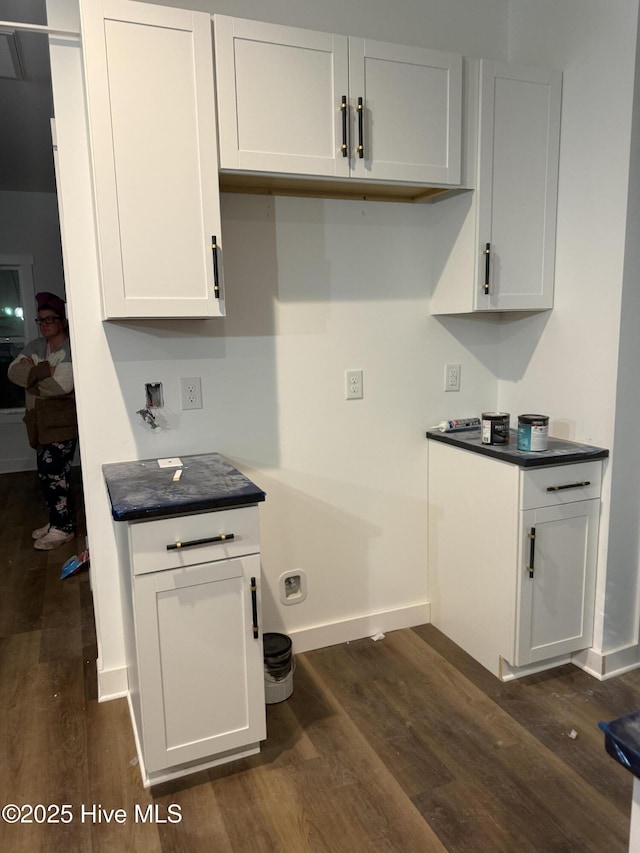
[(174, 462)]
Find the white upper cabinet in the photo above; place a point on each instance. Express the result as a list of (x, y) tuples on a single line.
[(306, 103), (151, 105), (518, 185), (495, 248)]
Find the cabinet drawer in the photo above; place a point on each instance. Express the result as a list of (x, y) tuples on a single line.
[(153, 543), (560, 484)]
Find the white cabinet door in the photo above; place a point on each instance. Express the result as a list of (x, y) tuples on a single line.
[(494, 248), (280, 92), (200, 667), (150, 93), (410, 124), (288, 104), (517, 186), (556, 583)]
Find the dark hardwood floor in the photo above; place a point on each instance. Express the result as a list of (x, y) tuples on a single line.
[(405, 744)]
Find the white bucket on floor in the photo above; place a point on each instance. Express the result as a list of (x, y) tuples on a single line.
[(277, 689), (279, 666)]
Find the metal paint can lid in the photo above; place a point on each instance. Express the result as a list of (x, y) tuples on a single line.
[(534, 420)]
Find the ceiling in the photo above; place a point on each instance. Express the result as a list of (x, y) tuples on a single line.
[(26, 159)]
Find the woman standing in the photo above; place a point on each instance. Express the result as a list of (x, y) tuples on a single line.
[(44, 370)]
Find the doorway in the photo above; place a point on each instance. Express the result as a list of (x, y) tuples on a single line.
[(30, 241)]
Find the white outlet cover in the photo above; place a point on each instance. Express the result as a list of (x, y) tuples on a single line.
[(353, 384), (191, 393), (452, 377)]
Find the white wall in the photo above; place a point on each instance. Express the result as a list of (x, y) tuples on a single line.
[(346, 481), (314, 287), (28, 227), (566, 364), (471, 28), (620, 624)]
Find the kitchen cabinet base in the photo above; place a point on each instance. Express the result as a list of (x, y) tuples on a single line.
[(507, 672), (191, 592), (512, 555), (159, 776)]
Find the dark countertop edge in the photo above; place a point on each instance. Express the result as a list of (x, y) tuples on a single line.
[(588, 455), (188, 508)]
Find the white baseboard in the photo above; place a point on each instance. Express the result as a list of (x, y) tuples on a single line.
[(112, 684), (332, 633), (605, 665)]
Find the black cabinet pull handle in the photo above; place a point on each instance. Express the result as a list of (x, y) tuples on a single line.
[(343, 107), (360, 148), (254, 607), (177, 545), (216, 279), (532, 551), (487, 267), (569, 486)]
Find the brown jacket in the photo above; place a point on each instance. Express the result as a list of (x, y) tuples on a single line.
[(49, 397)]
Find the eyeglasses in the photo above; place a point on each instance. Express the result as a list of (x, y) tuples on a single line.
[(47, 321)]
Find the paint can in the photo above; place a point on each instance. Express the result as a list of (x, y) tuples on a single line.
[(533, 432), (495, 427), (279, 666)]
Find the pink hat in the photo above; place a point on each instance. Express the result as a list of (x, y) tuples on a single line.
[(51, 301)]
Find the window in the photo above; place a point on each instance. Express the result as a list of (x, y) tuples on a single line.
[(17, 322)]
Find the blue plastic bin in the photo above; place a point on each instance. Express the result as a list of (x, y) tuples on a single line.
[(622, 741)]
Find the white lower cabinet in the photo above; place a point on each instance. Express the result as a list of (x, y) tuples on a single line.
[(194, 640), (512, 557)]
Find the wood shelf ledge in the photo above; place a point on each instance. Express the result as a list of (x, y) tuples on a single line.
[(308, 187)]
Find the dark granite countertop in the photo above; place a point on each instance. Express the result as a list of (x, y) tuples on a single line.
[(146, 490), (559, 452)]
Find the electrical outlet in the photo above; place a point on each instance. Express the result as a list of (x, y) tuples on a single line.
[(353, 384), (452, 377), (191, 393)]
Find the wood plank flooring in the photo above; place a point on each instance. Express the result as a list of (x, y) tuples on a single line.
[(405, 744)]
